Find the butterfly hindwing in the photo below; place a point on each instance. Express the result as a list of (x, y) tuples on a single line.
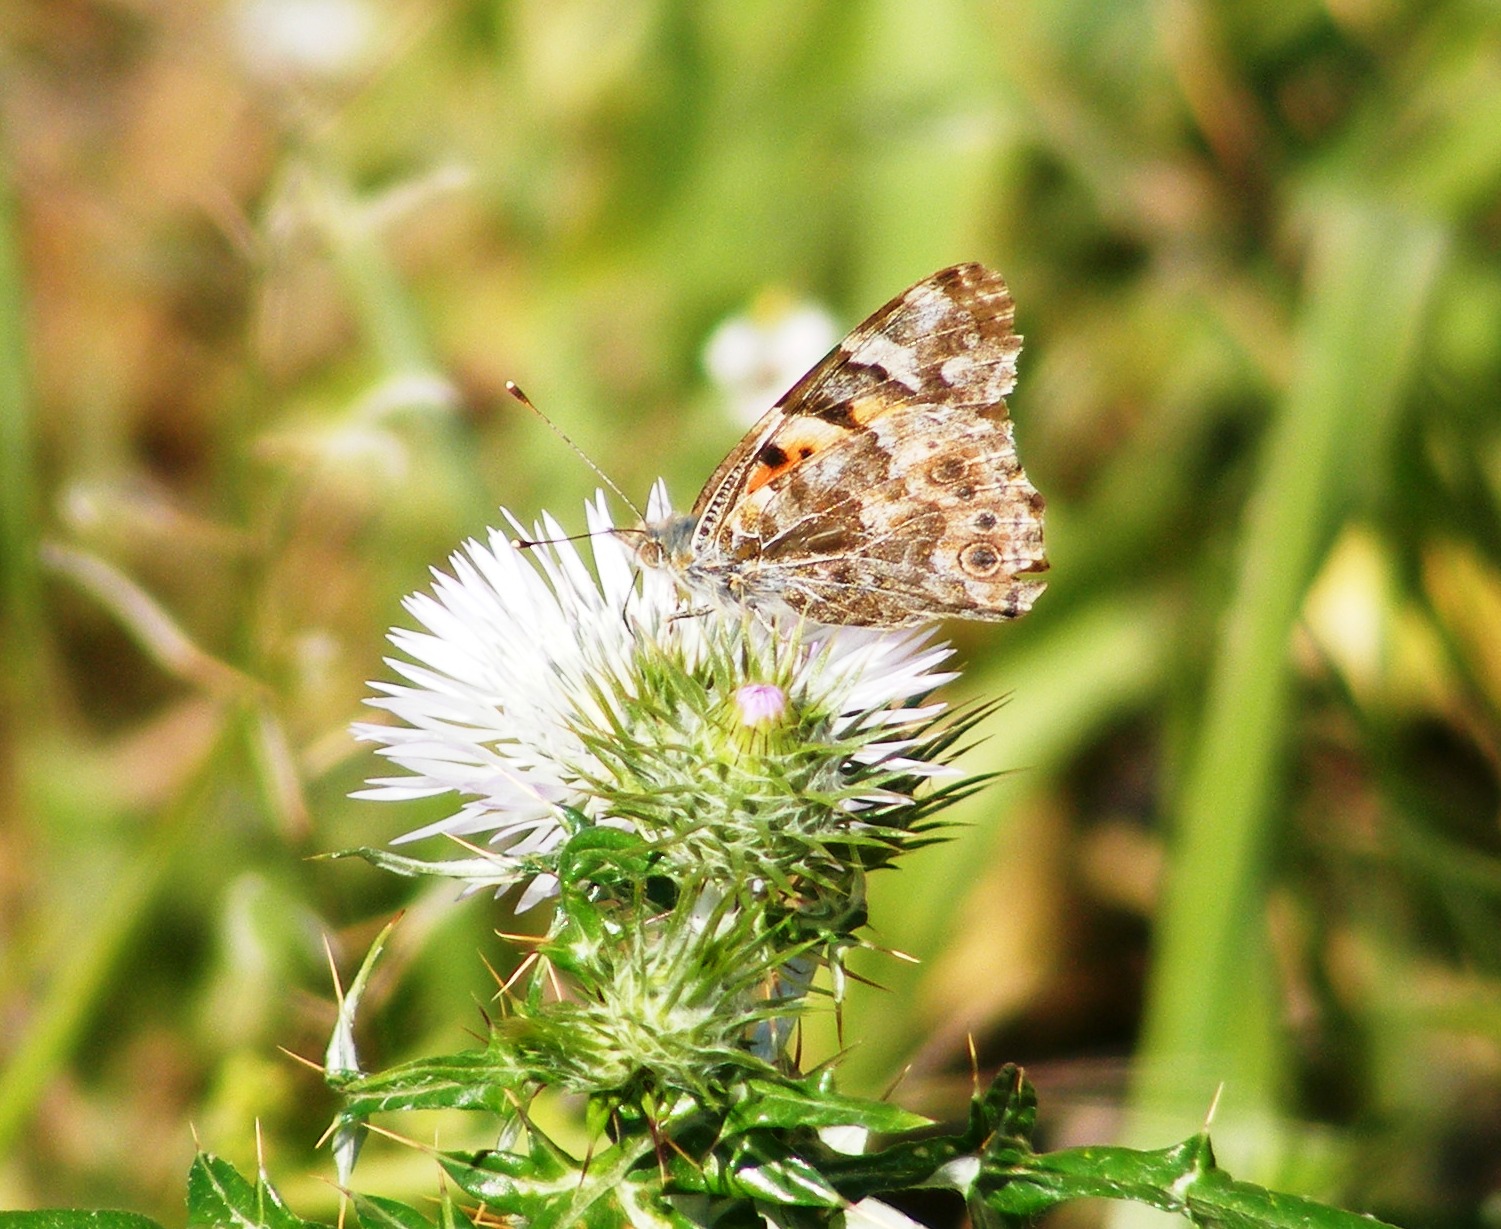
[(883, 489)]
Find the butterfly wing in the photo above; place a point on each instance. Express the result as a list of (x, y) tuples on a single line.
[(884, 488)]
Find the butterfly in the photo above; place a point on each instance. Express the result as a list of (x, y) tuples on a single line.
[(883, 489)]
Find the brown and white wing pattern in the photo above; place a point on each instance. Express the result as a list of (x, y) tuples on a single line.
[(884, 489)]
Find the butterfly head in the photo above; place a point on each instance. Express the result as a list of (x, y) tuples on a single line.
[(666, 542)]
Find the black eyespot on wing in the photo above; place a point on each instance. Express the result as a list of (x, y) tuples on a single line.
[(947, 470), (980, 559)]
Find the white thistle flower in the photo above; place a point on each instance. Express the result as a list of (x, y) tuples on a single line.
[(530, 695)]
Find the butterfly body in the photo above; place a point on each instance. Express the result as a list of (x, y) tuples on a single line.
[(883, 490)]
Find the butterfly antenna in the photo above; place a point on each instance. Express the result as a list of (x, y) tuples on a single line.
[(515, 390), (529, 543)]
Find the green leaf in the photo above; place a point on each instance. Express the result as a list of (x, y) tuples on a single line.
[(450, 1216), (219, 1197), (341, 1060), (1001, 1122), (901, 1166), (812, 1103), (499, 1176), (992, 1164), (378, 1213), (549, 1190), (1182, 1179), (473, 1079), (773, 1172), (763, 1166), (603, 855), (494, 871), (1006, 1112), (68, 1218)]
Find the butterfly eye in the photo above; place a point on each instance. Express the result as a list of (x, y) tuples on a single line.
[(651, 553)]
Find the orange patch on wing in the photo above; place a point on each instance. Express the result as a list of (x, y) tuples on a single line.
[(865, 410), (795, 442)]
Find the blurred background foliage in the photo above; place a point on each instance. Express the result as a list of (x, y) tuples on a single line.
[(265, 266)]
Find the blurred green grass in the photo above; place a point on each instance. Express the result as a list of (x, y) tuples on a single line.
[(256, 316)]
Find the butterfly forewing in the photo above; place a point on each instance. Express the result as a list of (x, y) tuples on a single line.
[(883, 489)]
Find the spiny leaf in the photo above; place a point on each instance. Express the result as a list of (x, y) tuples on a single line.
[(219, 1197), (619, 1188), (378, 1213), (472, 1079), (1182, 1179), (67, 1218), (812, 1104), (495, 869)]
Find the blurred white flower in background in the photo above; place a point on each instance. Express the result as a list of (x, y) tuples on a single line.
[(757, 356), (306, 40)]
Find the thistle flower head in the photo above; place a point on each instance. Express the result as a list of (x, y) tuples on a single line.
[(760, 703), (666, 1004), (549, 697)]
